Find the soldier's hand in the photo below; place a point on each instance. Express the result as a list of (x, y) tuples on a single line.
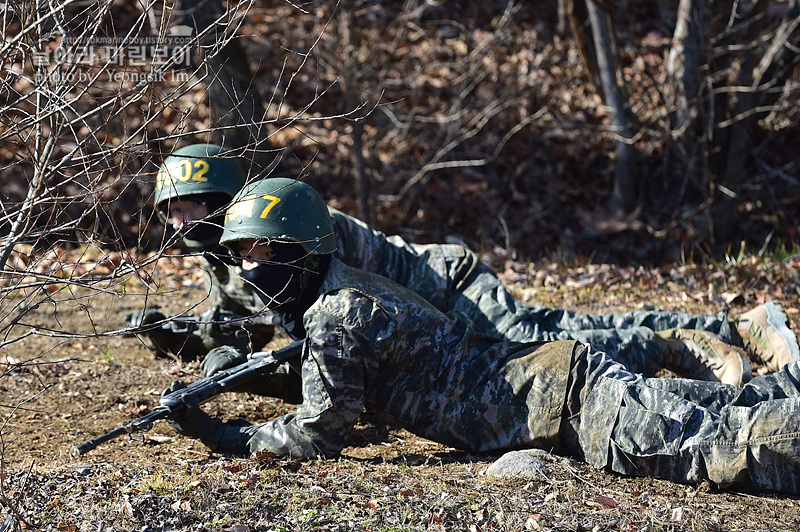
[(262, 333), (221, 358), (140, 318), (174, 387), (209, 327), (193, 421), (157, 340), (217, 329)]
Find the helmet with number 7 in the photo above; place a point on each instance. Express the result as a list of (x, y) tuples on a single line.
[(198, 169), (280, 210)]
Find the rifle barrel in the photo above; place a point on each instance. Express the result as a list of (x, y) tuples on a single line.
[(171, 405), (141, 424)]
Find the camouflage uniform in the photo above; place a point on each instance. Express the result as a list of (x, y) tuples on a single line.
[(374, 346), (452, 277), (381, 348), (685, 430)]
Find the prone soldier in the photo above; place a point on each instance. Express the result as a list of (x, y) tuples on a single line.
[(373, 345), (453, 278), (193, 187)]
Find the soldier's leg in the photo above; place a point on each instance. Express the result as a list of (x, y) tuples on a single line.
[(487, 303), (627, 337), (689, 353), (484, 299), (638, 348), (682, 431), (550, 324), (709, 395), (764, 331)]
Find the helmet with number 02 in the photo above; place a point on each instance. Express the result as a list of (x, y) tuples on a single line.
[(280, 210), (198, 169)]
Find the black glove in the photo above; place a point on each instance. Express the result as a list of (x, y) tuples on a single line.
[(210, 328), (136, 317), (162, 340), (218, 328), (220, 358), (193, 422), (157, 339)]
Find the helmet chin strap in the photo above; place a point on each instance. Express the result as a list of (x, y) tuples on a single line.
[(310, 267)]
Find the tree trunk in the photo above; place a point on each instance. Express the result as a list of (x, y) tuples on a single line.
[(236, 105), (685, 163), (624, 193), (735, 140), (352, 100), (578, 17)]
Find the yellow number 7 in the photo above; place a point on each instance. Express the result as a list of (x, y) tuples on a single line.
[(272, 202)]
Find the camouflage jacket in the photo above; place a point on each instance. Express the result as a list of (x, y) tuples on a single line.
[(374, 346), (433, 271), (449, 276)]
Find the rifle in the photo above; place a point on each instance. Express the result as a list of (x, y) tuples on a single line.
[(170, 405), (180, 324)]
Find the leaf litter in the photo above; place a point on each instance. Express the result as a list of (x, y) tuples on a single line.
[(388, 480)]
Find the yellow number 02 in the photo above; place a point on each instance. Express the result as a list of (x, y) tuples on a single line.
[(184, 172), (201, 169), (272, 202)]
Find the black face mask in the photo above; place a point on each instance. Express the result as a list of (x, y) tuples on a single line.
[(203, 235), (279, 283)]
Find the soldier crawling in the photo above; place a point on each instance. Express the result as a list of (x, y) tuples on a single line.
[(373, 345), (197, 182), (193, 187)]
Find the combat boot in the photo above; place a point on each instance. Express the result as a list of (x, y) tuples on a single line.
[(765, 333), (702, 355)]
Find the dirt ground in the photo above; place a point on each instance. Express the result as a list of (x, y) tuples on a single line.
[(74, 389)]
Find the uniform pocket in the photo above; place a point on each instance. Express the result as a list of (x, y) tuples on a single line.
[(651, 422)]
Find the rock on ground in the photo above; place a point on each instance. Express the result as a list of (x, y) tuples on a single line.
[(519, 463)]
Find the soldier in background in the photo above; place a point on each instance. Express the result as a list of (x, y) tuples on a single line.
[(373, 345), (193, 187)]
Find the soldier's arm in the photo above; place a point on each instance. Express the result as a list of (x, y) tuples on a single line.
[(338, 362)]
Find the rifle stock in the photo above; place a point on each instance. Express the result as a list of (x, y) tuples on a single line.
[(171, 406), (225, 322)]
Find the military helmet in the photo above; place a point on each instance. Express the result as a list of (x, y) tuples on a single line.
[(282, 210), (198, 169)]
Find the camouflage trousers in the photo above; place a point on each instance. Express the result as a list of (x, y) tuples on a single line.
[(628, 337), (684, 430)]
